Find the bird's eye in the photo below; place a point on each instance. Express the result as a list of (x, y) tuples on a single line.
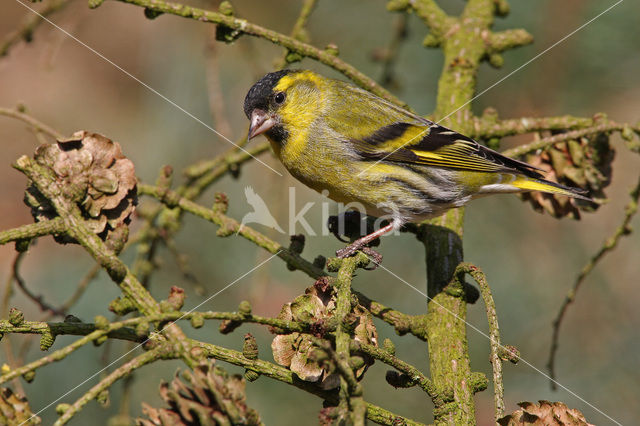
[(279, 97)]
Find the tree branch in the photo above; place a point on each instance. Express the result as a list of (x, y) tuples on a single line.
[(290, 43), (609, 244), (33, 230), (37, 125), (104, 384), (494, 332)]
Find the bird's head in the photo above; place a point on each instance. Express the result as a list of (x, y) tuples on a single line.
[(282, 103)]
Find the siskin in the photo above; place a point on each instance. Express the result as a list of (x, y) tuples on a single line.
[(335, 137)]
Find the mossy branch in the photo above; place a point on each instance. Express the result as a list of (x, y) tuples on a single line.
[(562, 137), (33, 230), (104, 384), (494, 332), (243, 26), (438, 396)]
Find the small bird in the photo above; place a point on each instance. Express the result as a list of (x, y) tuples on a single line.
[(335, 137)]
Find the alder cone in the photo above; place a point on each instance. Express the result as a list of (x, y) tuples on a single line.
[(207, 396), (582, 163), (298, 352), (93, 173), (15, 410), (544, 413)]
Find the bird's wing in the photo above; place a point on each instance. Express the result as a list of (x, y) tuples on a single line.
[(399, 136)]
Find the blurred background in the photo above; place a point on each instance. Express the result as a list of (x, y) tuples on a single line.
[(530, 259)]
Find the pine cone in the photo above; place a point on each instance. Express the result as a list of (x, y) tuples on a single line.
[(14, 409), (544, 414), (297, 351), (584, 163), (210, 397), (94, 174)]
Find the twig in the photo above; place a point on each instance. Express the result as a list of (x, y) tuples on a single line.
[(122, 371), (7, 343), (38, 125), (609, 245), (183, 266), (33, 230), (298, 30), (231, 226), (391, 52), (214, 88), (438, 396), (552, 140), (77, 229), (488, 126), (494, 333), (243, 26), (38, 300), (31, 22), (401, 322), (81, 288), (350, 393), (431, 14), (276, 372)]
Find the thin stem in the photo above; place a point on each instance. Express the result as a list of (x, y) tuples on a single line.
[(494, 333), (609, 244), (123, 371), (562, 137), (37, 125), (245, 27), (33, 230)]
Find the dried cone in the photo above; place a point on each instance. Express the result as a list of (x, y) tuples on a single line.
[(210, 396), (583, 163), (544, 413), (297, 351), (94, 174), (15, 410)]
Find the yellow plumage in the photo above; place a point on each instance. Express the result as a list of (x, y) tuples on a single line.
[(360, 148)]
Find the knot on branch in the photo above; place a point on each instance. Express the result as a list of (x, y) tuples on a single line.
[(175, 301), (228, 326), (509, 353), (90, 171), (301, 353), (122, 306), (16, 317)]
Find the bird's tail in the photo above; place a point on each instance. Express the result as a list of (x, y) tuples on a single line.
[(530, 184)]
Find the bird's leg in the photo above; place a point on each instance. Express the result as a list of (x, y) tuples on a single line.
[(352, 248), (349, 224)]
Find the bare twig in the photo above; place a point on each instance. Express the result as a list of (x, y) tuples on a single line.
[(243, 26), (122, 371), (38, 300), (609, 244), (37, 125), (29, 25), (298, 31), (562, 137)]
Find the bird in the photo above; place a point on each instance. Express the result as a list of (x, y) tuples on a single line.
[(346, 142), (260, 213)]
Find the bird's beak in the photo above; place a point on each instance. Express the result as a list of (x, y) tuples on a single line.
[(260, 123)]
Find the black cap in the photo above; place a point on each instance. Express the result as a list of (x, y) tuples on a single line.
[(259, 94)]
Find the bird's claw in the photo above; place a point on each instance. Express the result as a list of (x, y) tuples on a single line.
[(350, 250)]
